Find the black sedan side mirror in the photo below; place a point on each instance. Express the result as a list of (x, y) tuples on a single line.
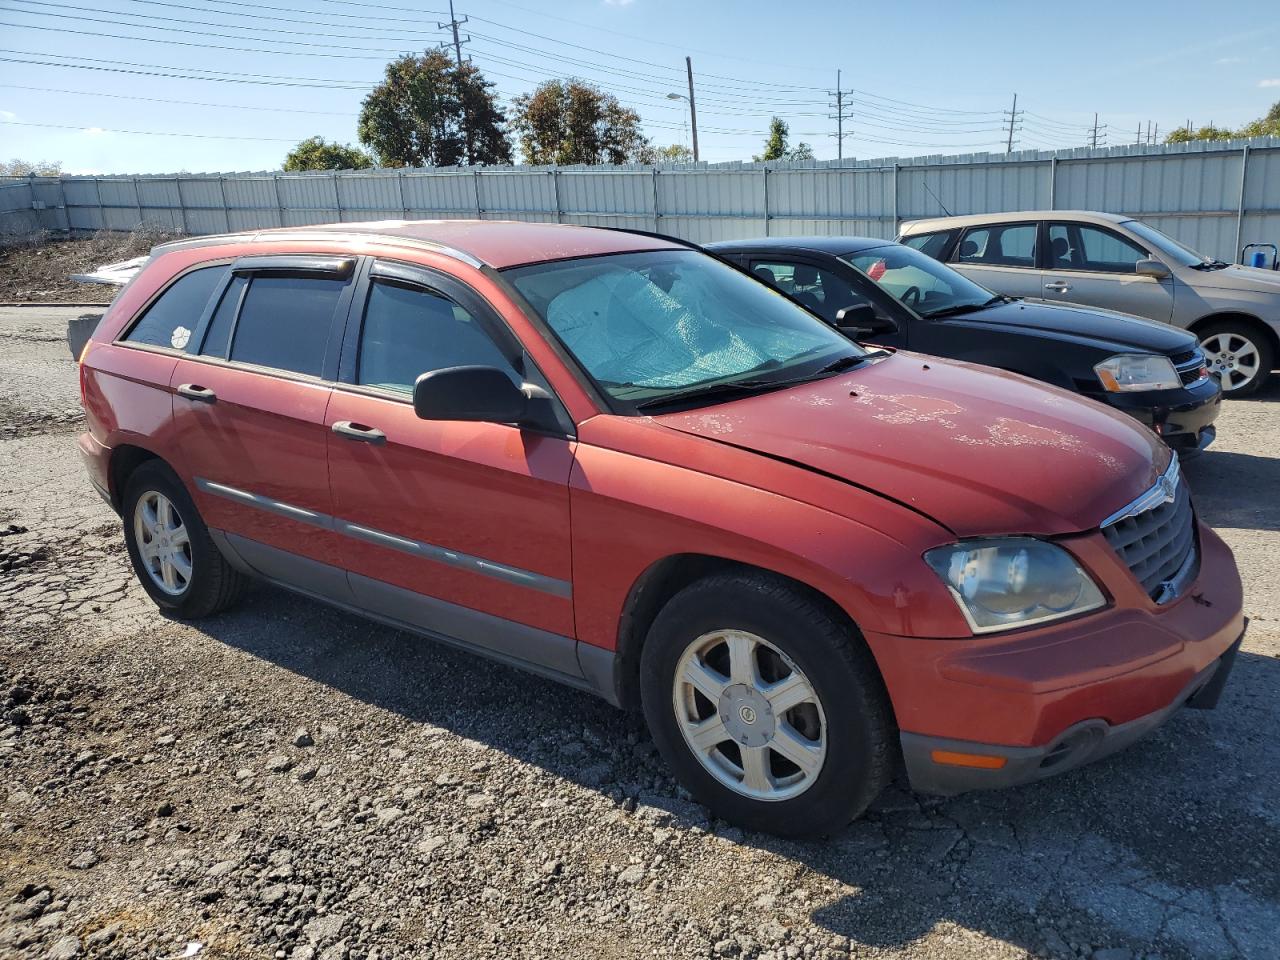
[(860, 320), (484, 394)]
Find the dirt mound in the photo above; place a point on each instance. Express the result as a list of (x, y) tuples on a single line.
[(38, 270)]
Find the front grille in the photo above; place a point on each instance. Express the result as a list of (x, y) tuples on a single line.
[(1190, 365), (1158, 544)]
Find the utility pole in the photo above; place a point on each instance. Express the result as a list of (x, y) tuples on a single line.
[(693, 110), (1155, 137), (1093, 139), (1013, 118), (838, 116), (454, 23)]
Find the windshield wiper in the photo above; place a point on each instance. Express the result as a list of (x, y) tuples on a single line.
[(960, 308), (1212, 265), (743, 388)]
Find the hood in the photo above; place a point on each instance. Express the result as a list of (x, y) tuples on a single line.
[(1113, 331), (980, 451), (1234, 278)]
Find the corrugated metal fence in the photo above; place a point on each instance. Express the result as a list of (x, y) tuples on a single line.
[(1212, 196)]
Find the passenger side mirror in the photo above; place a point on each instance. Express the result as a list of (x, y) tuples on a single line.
[(860, 320), (1151, 267), (482, 394)]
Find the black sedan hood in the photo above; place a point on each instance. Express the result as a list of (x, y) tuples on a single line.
[(1113, 331)]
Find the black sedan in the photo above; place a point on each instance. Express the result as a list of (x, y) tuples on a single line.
[(884, 293)]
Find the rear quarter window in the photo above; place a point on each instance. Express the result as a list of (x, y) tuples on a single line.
[(169, 320), (931, 244)]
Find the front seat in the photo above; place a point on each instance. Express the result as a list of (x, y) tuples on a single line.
[(767, 275), (968, 249), (807, 276), (1061, 252)]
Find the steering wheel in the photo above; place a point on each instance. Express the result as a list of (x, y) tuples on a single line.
[(911, 297)]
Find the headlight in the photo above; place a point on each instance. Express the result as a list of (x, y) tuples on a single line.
[(1127, 372), (1013, 582)]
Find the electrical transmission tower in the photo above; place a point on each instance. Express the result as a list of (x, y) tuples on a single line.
[(1011, 118), (839, 117)]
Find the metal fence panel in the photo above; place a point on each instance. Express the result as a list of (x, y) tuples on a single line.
[(1192, 191)]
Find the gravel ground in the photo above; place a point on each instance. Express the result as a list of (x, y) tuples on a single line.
[(288, 781)]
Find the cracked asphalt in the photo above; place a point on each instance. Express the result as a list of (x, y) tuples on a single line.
[(288, 781)]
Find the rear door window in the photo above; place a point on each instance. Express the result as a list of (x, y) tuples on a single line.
[(1006, 245), (285, 321), (169, 321)]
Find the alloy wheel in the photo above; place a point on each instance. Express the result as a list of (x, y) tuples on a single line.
[(750, 715), (1234, 357), (163, 542)]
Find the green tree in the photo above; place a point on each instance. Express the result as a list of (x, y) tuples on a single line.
[(316, 153), (776, 147), (1210, 132), (568, 121), (1266, 126), (675, 153), (23, 168), (801, 151), (429, 112)]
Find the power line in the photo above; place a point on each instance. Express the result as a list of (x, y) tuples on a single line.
[(183, 103), (148, 133)]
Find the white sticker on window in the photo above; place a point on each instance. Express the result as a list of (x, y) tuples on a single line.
[(180, 337)]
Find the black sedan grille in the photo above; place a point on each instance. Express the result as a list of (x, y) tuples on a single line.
[(1190, 365), (1158, 544)]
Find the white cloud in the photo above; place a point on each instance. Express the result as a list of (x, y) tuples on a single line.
[(1226, 60), (94, 131), (618, 3), (1269, 83), (8, 115)]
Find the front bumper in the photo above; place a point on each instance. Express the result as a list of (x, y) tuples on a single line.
[(1183, 418), (1044, 699), (1079, 744)]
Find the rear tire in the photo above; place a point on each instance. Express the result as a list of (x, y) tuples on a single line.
[(800, 740), (1239, 353), (174, 557)]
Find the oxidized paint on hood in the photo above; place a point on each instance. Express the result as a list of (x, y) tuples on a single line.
[(981, 451)]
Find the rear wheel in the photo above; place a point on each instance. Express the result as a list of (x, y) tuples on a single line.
[(766, 705), (1240, 354), (173, 555)]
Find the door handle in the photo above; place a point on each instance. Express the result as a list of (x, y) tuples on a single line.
[(358, 431), (193, 391), (1058, 286)]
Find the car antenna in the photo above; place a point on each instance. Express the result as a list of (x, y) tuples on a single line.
[(935, 197)]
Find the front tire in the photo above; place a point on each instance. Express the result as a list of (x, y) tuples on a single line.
[(768, 707), (1240, 354), (174, 557)]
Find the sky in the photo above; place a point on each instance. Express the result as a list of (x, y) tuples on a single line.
[(162, 86)]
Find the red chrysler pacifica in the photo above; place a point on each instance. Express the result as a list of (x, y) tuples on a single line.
[(624, 464)]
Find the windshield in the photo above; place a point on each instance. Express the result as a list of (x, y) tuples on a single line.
[(921, 282), (654, 324), (1168, 246)]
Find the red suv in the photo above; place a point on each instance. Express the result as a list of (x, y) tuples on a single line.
[(625, 464)]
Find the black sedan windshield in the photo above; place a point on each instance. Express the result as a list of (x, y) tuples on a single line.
[(678, 324), (919, 281)]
